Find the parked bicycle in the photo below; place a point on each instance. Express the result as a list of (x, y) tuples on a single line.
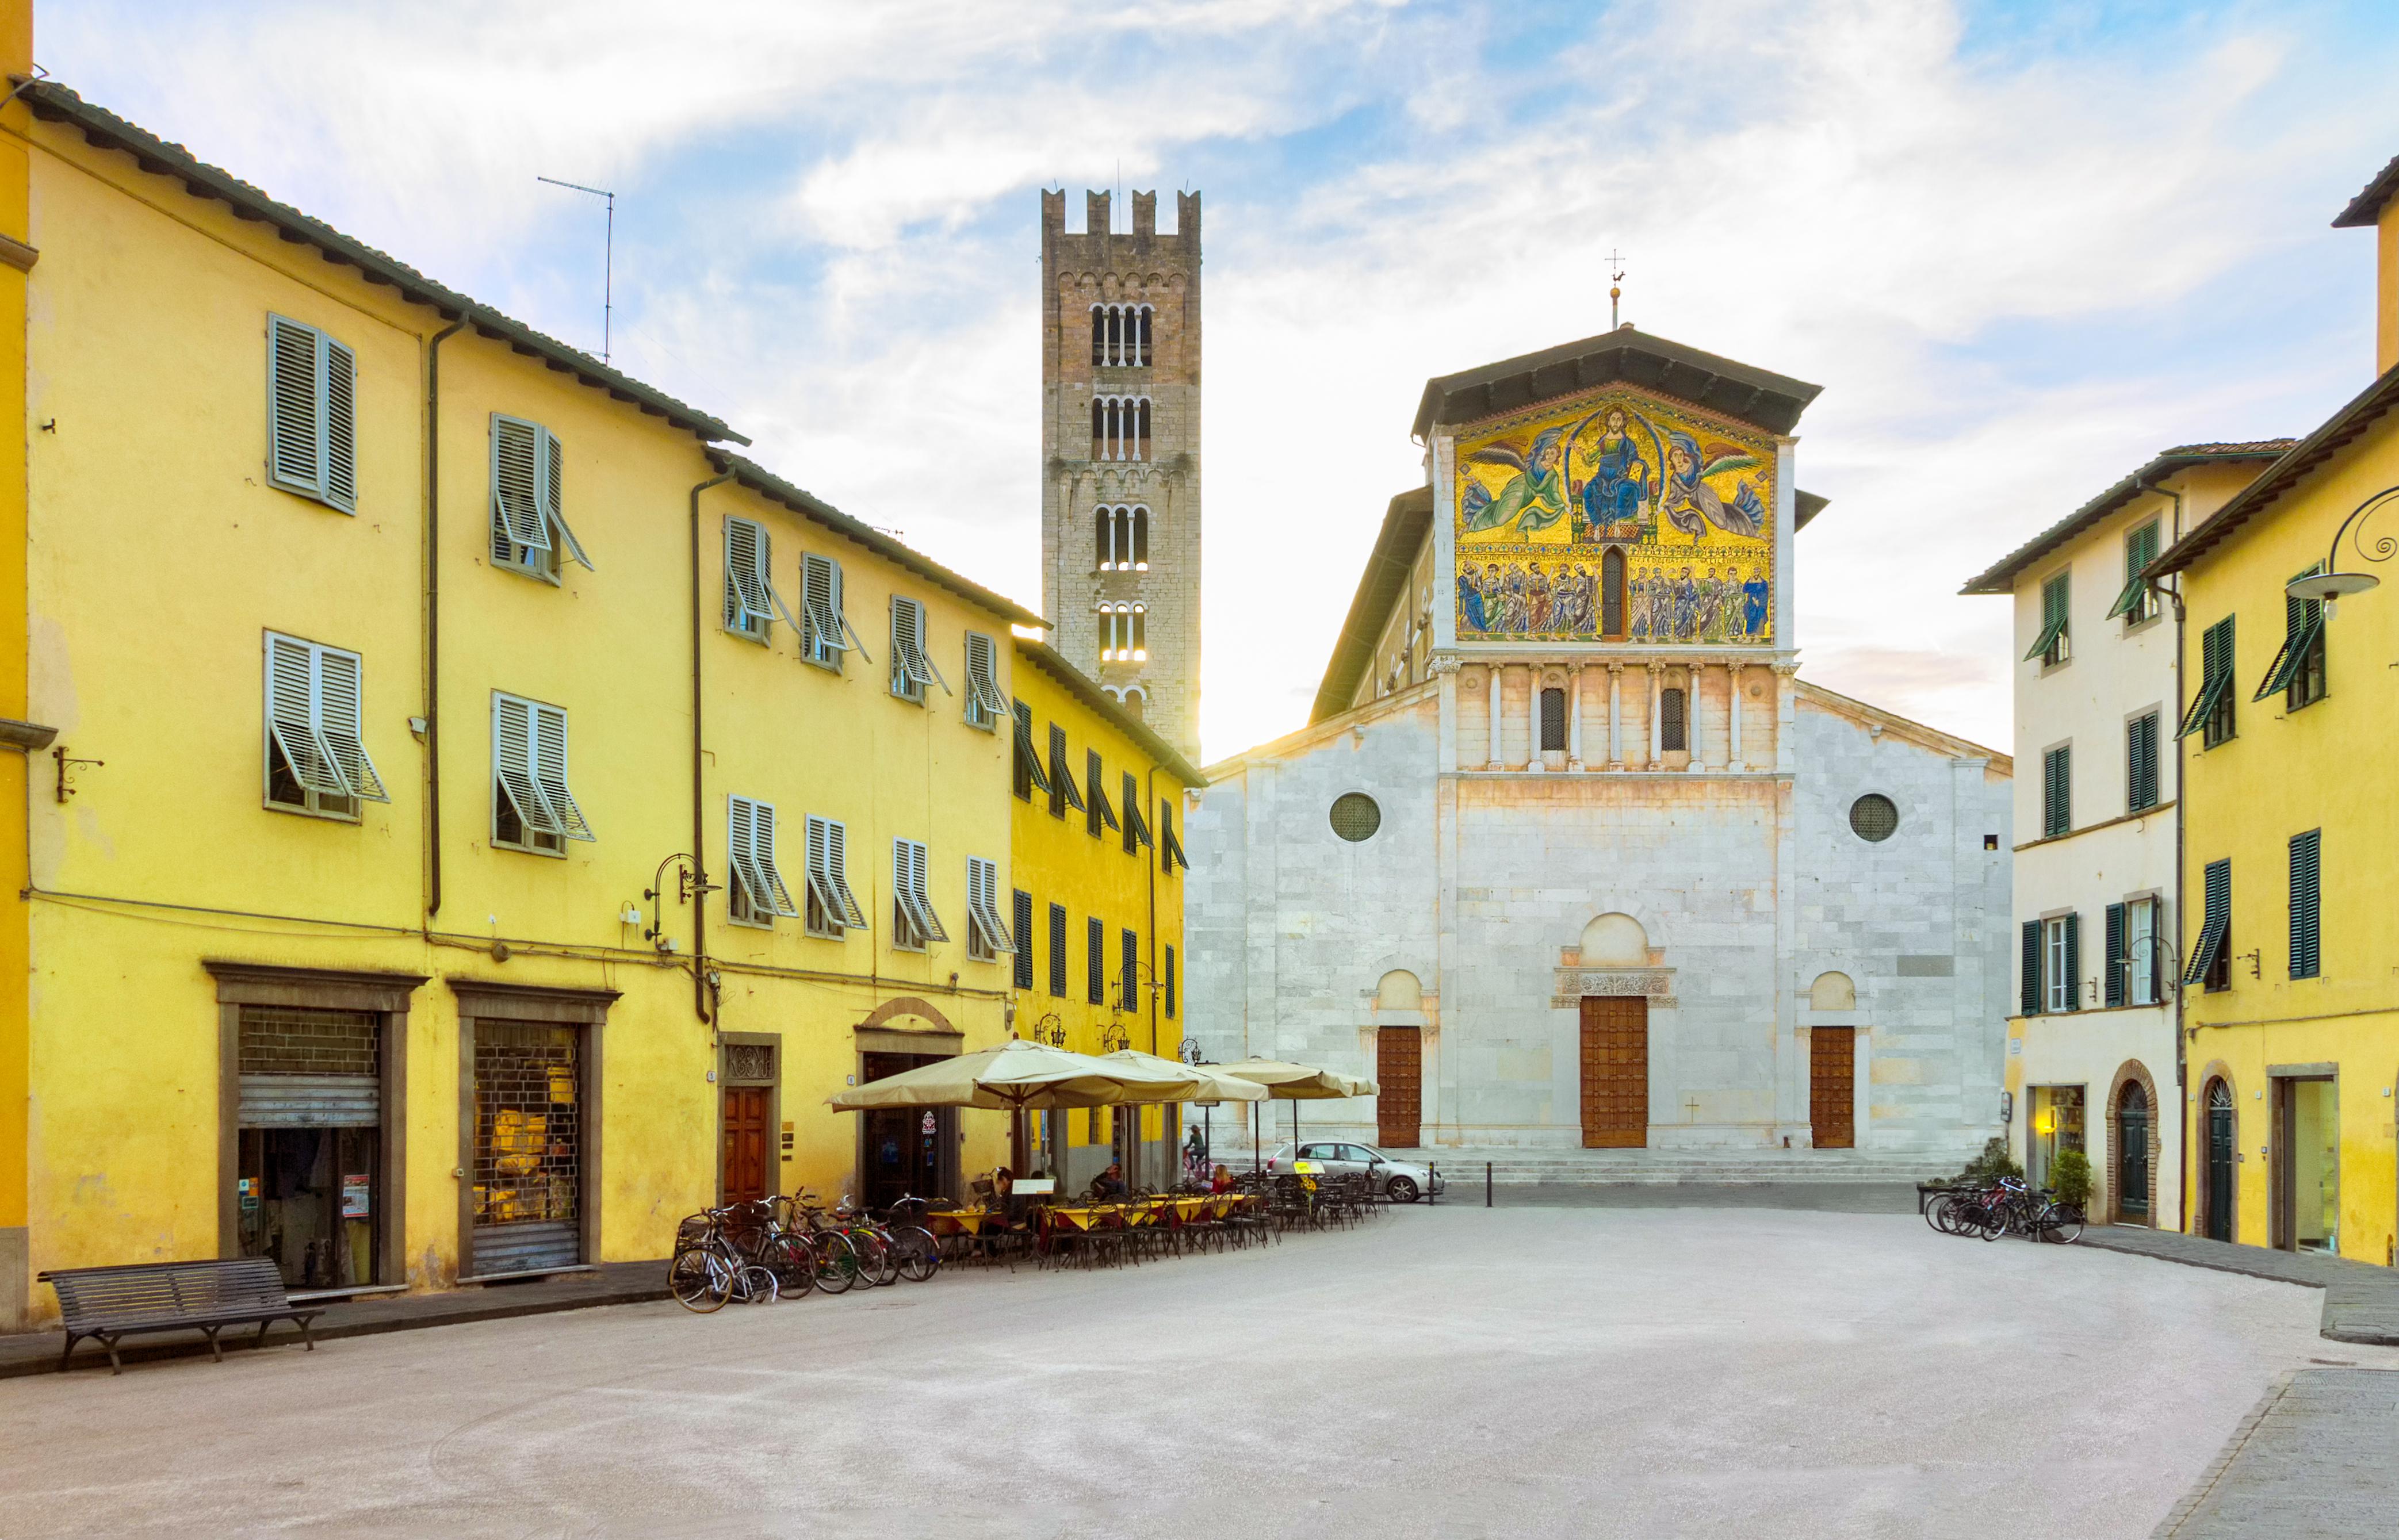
[(710, 1269), (2005, 1207)]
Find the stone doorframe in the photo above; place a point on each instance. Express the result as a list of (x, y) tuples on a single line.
[(777, 1138), (2132, 1072), (387, 994), (481, 999), (2195, 1151)]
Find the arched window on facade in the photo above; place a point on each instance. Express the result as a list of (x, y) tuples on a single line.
[(1124, 633), (1120, 336), (1671, 736), (1140, 518), (1122, 538), (1140, 638), (1120, 427), (1553, 721), (1611, 595), (1136, 704)]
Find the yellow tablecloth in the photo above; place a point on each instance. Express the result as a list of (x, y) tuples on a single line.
[(960, 1221)]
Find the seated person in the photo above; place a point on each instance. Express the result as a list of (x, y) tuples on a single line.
[(1003, 1182), (1222, 1182), (1109, 1185)]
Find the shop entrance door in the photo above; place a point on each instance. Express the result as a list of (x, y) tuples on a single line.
[(1832, 1086), (905, 1152), (745, 1143), (1614, 1071), (2133, 1153), (528, 1147), (309, 1163), (1399, 1070), (2219, 1160), (2307, 1165)]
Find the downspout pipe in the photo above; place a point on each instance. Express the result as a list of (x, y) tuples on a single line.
[(433, 614), (2189, 1167), (1149, 794), (699, 803)]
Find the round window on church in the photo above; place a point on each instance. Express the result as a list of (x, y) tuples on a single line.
[(1874, 818), (1355, 816)]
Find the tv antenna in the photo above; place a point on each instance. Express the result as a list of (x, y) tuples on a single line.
[(1615, 285), (608, 259)]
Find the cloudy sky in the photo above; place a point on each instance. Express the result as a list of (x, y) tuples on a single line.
[(2021, 247)]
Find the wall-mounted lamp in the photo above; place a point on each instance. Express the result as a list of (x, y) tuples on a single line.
[(2331, 585)]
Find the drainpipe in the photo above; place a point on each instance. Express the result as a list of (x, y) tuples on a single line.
[(1149, 794), (433, 614), (2186, 1166), (699, 809)]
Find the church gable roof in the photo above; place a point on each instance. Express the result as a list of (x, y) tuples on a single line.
[(1833, 703), (1757, 396), (1405, 523)]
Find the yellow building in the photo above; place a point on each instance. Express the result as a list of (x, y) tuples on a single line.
[(488, 815), (1097, 908), (2289, 935)]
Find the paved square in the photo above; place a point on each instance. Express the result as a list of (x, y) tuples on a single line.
[(1451, 1372)]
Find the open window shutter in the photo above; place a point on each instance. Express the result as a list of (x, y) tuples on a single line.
[(1136, 830), (549, 771), (512, 730), (291, 716), (1063, 793), (924, 896), (739, 817), (745, 598), (1102, 815), (2030, 989), (837, 866), (2115, 964), (907, 669), (2074, 962), (339, 710), (2214, 923), (1023, 918), (341, 418), (762, 855), (1029, 773), (554, 460), (516, 475), (294, 424), (841, 617)]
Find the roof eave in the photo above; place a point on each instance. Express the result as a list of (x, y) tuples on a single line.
[(1764, 399), (1087, 689), (2001, 576), (1405, 520), (2365, 208), (2288, 472)]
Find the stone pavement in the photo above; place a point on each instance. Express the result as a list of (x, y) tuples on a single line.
[(611, 1283), (2361, 1300), (2317, 1456)]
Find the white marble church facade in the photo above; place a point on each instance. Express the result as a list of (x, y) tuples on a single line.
[(1759, 915)]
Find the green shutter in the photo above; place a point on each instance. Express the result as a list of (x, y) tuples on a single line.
[(2141, 762), (2215, 676), (1095, 947), (2057, 792), (2074, 962), (1058, 950), (1023, 940), (2140, 549), (2031, 990), (2214, 925), (2306, 905), (2115, 984)]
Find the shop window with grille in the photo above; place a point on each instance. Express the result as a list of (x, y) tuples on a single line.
[(528, 1168)]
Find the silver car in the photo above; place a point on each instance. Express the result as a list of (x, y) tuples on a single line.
[(1401, 1181)]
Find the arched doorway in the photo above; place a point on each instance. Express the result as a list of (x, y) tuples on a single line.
[(2133, 1153), (2220, 1150)]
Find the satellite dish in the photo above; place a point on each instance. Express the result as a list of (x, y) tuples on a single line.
[(2323, 587)]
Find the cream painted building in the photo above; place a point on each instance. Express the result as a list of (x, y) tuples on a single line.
[(2092, 1058), (1568, 857)]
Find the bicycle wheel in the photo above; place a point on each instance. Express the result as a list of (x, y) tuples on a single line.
[(793, 1264), (836, 1260), (2061, 1224), (698, 1279), (755, 1284), (920, 1254), (878, 1260)]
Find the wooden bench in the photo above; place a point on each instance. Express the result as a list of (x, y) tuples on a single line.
[(108, 1302)]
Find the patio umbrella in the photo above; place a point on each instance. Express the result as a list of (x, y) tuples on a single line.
[(1204, 1083), (1016, 1076), (1297, 1083)]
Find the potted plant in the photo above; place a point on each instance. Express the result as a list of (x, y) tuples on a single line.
[(2070, 1178)]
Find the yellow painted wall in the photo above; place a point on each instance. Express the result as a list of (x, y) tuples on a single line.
[(16, 57), (158, 558), (1058, 860), (2283, 772)]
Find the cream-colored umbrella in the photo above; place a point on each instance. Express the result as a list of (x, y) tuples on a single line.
[(1207, 1083), (1296, 1083), (1015, 1077)]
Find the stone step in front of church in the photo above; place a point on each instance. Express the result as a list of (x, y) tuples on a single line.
[(1663, 1167)]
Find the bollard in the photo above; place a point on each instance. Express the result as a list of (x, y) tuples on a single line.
[(1486, 1184)]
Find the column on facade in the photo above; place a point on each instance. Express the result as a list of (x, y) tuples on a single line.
[(1691, 718), (1734, 758), (1574, 716), (1616, 716), (1657, 742), (1533, 717), (1491, 677)]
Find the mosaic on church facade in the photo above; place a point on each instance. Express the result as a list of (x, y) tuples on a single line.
[(1616, 517)]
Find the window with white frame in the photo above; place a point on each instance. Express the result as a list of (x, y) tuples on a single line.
[(750, 601), (758, 894), (532, 809), (2141, 949), (528, 530), (987, 708), (312, 424), (825, 631), (316, 750), (1123, 538), (912, 666), (914, 927), (1120, 335), (2062, 962), (1124, 633), (1119, 427), (987, 936), (831, 908)]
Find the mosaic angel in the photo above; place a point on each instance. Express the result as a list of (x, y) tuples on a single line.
[(1533, 499), (1691, 504)]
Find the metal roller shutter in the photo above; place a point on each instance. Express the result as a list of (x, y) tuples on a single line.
[(310, 1068), (528, 1147)]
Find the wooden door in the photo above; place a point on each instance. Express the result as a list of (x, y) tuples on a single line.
[(1614, 1071), (1399, 1070), (1832, 1086), (745, 1142)]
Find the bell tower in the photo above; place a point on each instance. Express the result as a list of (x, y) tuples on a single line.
[(1120, 453)]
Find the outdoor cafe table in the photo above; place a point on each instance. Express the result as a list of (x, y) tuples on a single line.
[(961, 1221)]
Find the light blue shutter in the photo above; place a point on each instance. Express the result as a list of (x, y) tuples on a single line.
[(340, 415), (294, 420)]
